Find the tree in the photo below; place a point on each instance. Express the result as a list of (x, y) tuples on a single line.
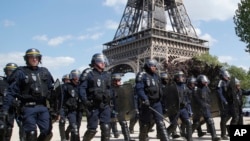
[(242, 22)]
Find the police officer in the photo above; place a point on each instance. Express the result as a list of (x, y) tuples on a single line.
[(7, 124), (185, 111), (225, 95), (116, 83), (63, 134), (202, 98), (166, 82), (192, 90), (33, 86), (238, 103), (95, 92), (71, 103), (149, 91)]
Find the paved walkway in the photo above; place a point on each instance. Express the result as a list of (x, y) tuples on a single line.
[(152, 135)]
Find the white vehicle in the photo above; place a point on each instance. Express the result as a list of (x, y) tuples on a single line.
[(246, 111)]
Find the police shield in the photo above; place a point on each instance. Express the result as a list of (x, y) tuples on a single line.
[(125, 105), (215, 108), (170, 100)]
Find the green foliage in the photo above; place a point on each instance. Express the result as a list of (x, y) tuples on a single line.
[(242, 22)]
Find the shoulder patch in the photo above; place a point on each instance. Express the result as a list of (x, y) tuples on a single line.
[(139, 76), (85, 74)]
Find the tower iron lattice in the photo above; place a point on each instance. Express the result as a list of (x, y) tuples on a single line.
[(143, 34)]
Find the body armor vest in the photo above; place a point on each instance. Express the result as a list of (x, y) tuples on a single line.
[(99, 87), (71, 96), (36, 83), (152, 87)]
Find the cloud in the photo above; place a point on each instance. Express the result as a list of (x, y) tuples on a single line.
[(116, 4), (40, 38), (210, 9), (111, 24), (225, 59), (59, 40), (57, 62), (8, 23)]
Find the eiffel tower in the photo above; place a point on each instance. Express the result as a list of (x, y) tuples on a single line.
[(142, 34)]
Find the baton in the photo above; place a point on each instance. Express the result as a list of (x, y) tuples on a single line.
[(158, 113)]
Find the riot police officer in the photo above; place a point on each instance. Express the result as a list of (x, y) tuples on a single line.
[(7, 125), (202, 98), (184, 104), (116, 83), (63, 134), (192, 90), (225, 96), (166, 82), (71, 103), (149, 90), (33, 86), (95, 92)]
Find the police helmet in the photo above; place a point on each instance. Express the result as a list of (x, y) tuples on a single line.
[(164, 76), (202, 79), (116, 76), (66, 76), (191, 80), (179, 76), (99, 58), (224, 74), (32, 52), (9, 68), (150, 63), (237, 81), (75, 74)]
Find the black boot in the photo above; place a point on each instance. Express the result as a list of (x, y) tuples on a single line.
[(31, 136), (74, 133), (199, 132), (105, 132), (210, 124), (67, 132), (171, 128), (43, 137), (143, 135), (125, 131), (162, 131), (88, 135), (62, 129), (189, 130), (132, 123), (114, 129)]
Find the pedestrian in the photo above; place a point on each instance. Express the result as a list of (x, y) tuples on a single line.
[(95, 93), (33, 86), (149, 90)]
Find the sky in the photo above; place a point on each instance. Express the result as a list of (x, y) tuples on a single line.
[(69, 32)]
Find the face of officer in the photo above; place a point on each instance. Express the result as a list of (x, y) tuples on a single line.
[(33, 61), (100, 66)]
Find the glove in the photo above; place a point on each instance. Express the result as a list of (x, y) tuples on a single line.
[(225, 103), (146, 103)]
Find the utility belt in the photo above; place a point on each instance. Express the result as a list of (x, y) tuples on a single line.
[(32, 104)]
